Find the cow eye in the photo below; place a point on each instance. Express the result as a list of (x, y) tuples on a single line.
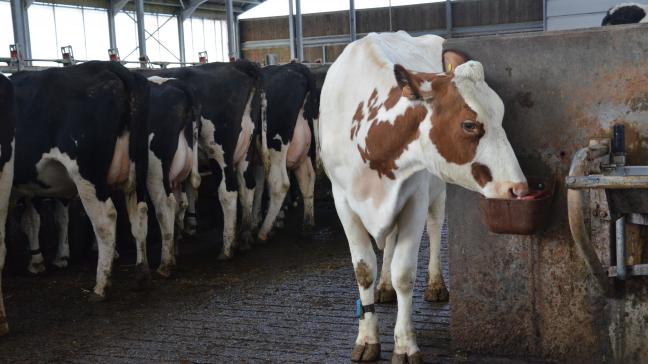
[(470, 127)]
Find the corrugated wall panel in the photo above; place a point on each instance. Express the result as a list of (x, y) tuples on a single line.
[(574, 14)]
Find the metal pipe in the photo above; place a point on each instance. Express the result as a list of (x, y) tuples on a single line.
[(448, 9), (112, 36), (291, 29), (352, 20), (544, 15), (231, 30), (298, 31), (141, 32), (181, 40), (28, 52), (620, 249), (18, 28)]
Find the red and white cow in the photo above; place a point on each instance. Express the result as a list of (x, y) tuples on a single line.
[(394, 129)]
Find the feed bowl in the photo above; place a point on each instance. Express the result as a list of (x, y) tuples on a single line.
[(522, 216)]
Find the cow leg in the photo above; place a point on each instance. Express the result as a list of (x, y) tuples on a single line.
[(103, 216), (306, 180), (180, 211), (259, 185), (6, 179), (164, 203), (403, 270), (61, 215), (30, 224), (436, 290), (246, 181), (367, 344), (191, 224), (228, 196), (138, 216), (278, 184), (385, 291)]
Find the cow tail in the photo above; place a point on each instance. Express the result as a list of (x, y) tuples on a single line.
[(311, 114), (139, 142), (259, 107)]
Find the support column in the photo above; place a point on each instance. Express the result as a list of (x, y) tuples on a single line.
[(112, 35), (141, 34), (181, 40), (448, 19), (291, 29), (298, 31), (352, 21), (231, 31), (18, 19)]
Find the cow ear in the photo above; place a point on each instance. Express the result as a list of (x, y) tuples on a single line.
[(453, 59), (407, 82)]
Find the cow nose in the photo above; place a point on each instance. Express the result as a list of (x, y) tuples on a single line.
[(518, 190)]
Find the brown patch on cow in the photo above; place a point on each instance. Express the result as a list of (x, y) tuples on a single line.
[(373, 106), (450, 109), (481, 173), (405, 280), (385, 142), (363, 274), (394, 96), (357, 119)]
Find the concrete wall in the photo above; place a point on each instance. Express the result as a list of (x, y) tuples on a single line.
[(533, 295), (574, 14)]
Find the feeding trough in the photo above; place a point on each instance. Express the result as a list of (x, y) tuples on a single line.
[(523, 216)]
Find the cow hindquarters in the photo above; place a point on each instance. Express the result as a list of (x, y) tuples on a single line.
[(367, 344), (6, 179), (30, 224), (436, 290), (411, 222), (306, 180), (278, 184)]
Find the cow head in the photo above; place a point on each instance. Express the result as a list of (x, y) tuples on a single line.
[(626, 13), (461, 135)]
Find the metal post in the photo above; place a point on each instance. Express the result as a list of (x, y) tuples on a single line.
[(141, 33), (27, 50), (18, 28), (291, 30), (544, 15), (112, 36), (181, 40), (620, 248), (298, 31), (448, 18), (231, 30), (352, 20)]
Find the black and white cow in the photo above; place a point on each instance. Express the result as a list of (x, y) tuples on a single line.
[(230, 95), (173, 163), (6, 175), (292, 106), (626, 13), (83, 130)]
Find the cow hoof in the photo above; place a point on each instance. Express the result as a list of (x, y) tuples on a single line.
[(415, 358), (94, 297), (385, 294), (36, 268), (164, 270), (225, 255), (366, 352), (4, 326), (262, 238), (437, 294), (60, 263), (142, 277)]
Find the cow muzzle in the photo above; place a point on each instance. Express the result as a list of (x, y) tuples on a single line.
[(508, 190)]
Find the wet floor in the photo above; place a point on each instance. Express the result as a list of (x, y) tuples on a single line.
[(291, 300)]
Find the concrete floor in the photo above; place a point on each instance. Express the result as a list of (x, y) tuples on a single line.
[(291, 300)]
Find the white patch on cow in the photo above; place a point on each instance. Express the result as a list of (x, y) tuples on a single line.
[(159, 80), (214, 150), (165, 210), (6, 180), (278, 184), (182, 163), (228, 203), (245, 136), (30, 224), (61, 216), (426, 86)]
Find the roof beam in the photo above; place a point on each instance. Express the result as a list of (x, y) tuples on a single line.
[(117, 5), (193, 5)]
